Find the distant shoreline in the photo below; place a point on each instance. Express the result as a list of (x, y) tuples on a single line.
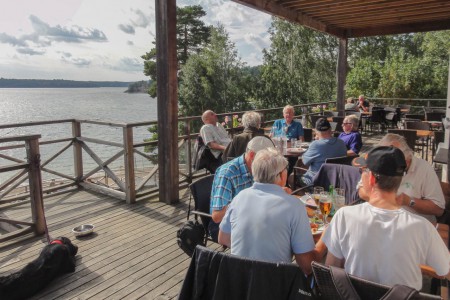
[(58, 83)]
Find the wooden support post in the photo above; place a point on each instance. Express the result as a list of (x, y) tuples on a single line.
[(130, 182), (77, 151), (188, 147), (35, 181), (166, 68), (341, 76), (445, 169)]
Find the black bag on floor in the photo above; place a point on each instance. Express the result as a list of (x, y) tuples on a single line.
[(190, 235)]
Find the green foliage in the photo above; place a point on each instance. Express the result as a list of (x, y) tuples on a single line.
[(153, 150), (214, 79), (192, 35), (400, 66), (298, 68)]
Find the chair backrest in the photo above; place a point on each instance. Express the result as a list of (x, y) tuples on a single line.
[(378, 116), (314, 119), (307, 134), (409, 134), (415, 116), (417, 125), (201, 192), (439, 137), (339, 121), (218, 275), (342, 160), (340, 176), (435, 116), (366, 289)]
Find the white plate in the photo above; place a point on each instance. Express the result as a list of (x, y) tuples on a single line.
[(295, 150), (308, 201)]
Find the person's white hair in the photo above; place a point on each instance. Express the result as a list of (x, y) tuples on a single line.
[(352, 119), (289, 107), (259, 143), (267, 165), (251, 119), (206, 115), (392, 139)]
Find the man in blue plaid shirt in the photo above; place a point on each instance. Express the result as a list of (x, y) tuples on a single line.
[(231, 178)]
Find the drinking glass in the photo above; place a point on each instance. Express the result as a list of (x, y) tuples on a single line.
[(339, 197), (293, 142), (274, 131), (316, 196), (325, 205)]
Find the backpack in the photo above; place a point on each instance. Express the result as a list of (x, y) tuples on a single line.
[(203, 158), (190, 235)]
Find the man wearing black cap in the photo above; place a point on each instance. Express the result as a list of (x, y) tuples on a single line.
[(379, 240), (326, 146)]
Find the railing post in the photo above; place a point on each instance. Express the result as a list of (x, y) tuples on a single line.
[(35, 181), (130, 181), (187, 126), (77, 151)]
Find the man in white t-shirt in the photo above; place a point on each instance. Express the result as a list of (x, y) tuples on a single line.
[(379, 240)]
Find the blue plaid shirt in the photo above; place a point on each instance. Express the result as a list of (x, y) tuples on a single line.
[(230, 179)]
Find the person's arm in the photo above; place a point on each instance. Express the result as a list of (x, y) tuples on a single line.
[(304, 261), (224, 238), (216, 146), (422, 206), (217, 215), (334, 261), (320, 250)]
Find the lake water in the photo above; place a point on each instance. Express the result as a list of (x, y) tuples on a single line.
[(101, 104)]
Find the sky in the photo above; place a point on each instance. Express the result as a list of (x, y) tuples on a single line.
[(103, 40)]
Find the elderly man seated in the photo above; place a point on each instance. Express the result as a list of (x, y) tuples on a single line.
[(215, 137), (325, 147), (379, 240), (264, 222), (420, 191), (231, 178)]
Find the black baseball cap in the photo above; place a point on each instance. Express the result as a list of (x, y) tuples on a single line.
[(383, 160), (322, 124)]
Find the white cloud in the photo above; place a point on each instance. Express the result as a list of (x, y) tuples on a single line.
[(103, 39)]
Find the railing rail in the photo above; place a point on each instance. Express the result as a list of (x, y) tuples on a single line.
[(128, 182)]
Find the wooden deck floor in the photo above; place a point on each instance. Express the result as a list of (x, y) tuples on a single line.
[(133, 253)]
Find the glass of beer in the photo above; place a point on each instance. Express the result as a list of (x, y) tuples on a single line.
[(339, 198), (325, 204), (316, 193)]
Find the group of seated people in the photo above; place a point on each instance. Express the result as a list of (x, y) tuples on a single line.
[(384, 240), (361, 105)]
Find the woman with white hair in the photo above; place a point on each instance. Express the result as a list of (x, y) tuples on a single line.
[(351, 136)]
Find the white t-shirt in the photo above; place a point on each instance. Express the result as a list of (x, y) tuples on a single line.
[(386, 246)]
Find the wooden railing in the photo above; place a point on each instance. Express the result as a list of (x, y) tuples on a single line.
[(32, 167), (126, 182)]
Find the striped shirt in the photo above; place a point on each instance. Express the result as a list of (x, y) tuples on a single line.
[(230, 179)]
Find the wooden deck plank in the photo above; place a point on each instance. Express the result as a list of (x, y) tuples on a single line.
[(130, 241)]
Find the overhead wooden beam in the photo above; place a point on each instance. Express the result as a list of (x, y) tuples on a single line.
[(276, 9), (166, 74), (398, 29)]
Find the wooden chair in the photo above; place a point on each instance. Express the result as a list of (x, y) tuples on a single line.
[(409, 134), (308, 134), (421, 143)]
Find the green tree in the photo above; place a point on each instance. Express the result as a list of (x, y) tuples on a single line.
[(299, 67), (214, 78), (192, 34)]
